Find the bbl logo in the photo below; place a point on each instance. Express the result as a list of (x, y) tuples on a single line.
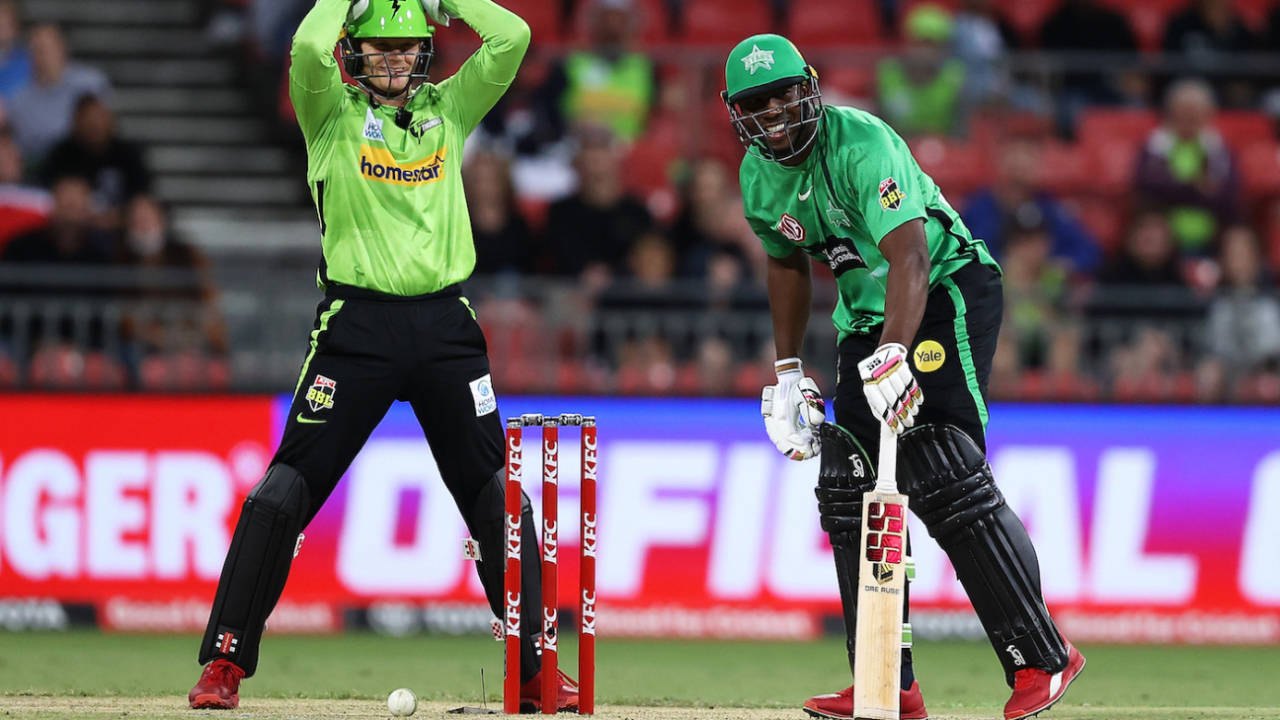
[(320, 394), (890, 196)]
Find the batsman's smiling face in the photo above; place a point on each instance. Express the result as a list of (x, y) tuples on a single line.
[(389, 62), (779, 115)]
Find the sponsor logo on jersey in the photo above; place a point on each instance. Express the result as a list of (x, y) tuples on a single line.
[(890, 196), (320, 394), (373, 126), (757, 59), (418, 129), (841, 255), (379, 165), (790, 228), (482, 393), (929, 356)]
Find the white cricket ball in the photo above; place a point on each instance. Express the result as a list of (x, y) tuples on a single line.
[(402, 702)]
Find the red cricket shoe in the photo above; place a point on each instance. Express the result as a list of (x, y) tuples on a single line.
[(219, 686), (1035, 691), (839, 706), (531, 694)]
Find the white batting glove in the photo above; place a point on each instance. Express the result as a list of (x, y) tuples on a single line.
[(436, 12), (892, 391), (792, 410)]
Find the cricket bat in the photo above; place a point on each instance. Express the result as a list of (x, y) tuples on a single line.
[(882, 577)]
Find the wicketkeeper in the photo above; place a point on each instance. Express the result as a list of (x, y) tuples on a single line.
[(917, 318), (384, 166)]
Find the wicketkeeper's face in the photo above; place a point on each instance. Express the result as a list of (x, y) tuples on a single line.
[(389, 61)]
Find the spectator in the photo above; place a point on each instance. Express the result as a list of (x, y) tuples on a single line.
[(1088, 25), (707, 225), (23, 208), (502, 238), (42, 111), (70, 237), (114, 168), (172, 275), (920, 91), (15, 60), (982, 40), (1016, 199), (1035, 289), (590, 232), (1148, 258), (1243, 329), (609, 84), (1186, 169), (712, 371), (1208, 33)]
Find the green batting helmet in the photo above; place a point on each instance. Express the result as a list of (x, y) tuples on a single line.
[(762, 66), (380, 19)]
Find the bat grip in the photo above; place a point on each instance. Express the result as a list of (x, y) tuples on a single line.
[(887, 470)]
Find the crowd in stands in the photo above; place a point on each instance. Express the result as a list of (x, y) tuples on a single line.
[(1133, 197), (74, 195)]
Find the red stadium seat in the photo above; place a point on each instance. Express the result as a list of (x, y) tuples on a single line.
[(957, 168), (1147, 18), (1026, 16), (1066, 168), (834, 23), (1105, 221), (1100, 125), (722, 23), (1242, 128), (1259, 165), (543, 17)]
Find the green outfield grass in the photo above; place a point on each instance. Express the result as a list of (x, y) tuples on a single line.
[(961, 678)]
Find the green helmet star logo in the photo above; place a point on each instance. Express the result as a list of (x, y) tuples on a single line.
[(758, 59)]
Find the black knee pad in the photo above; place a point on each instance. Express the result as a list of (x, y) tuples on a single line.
[(950, 487), (487, 521), (844, 474), (947, 479), (257, 565)]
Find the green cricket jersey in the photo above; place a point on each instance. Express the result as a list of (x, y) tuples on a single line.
[(857, 184), (393, 217)]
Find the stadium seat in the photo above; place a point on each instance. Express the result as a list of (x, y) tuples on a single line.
[(1104, 219), (1259, 165), (1066, 168), (818, 23), (543, 17), (1099, 125), (1148, 19), (722, 23), (8, 371), (1026, 16), (1242, 128), (958, 168)]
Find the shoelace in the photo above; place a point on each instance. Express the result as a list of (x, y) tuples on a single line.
[(566, 680), (223, 674)]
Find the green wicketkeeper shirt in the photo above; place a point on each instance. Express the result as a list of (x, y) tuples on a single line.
[(857, 184), (393, 217)]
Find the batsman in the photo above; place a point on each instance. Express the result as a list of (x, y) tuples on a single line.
[(919, 309), (384, 160)]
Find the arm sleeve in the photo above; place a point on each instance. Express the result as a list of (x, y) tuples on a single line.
[(315, 83), (487, 74), (886, 183), (774, 244)]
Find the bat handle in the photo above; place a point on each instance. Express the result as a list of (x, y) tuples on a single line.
[(887, 471)]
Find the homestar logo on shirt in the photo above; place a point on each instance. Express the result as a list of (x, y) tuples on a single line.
[(373, 126), (379, 165)]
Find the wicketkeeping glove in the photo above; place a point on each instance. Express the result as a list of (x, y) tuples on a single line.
[(436, 12), (792, 410), (892, 392)]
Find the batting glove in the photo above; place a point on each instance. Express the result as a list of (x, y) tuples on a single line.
[(792, 411), (892, 391), (436, 12)]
